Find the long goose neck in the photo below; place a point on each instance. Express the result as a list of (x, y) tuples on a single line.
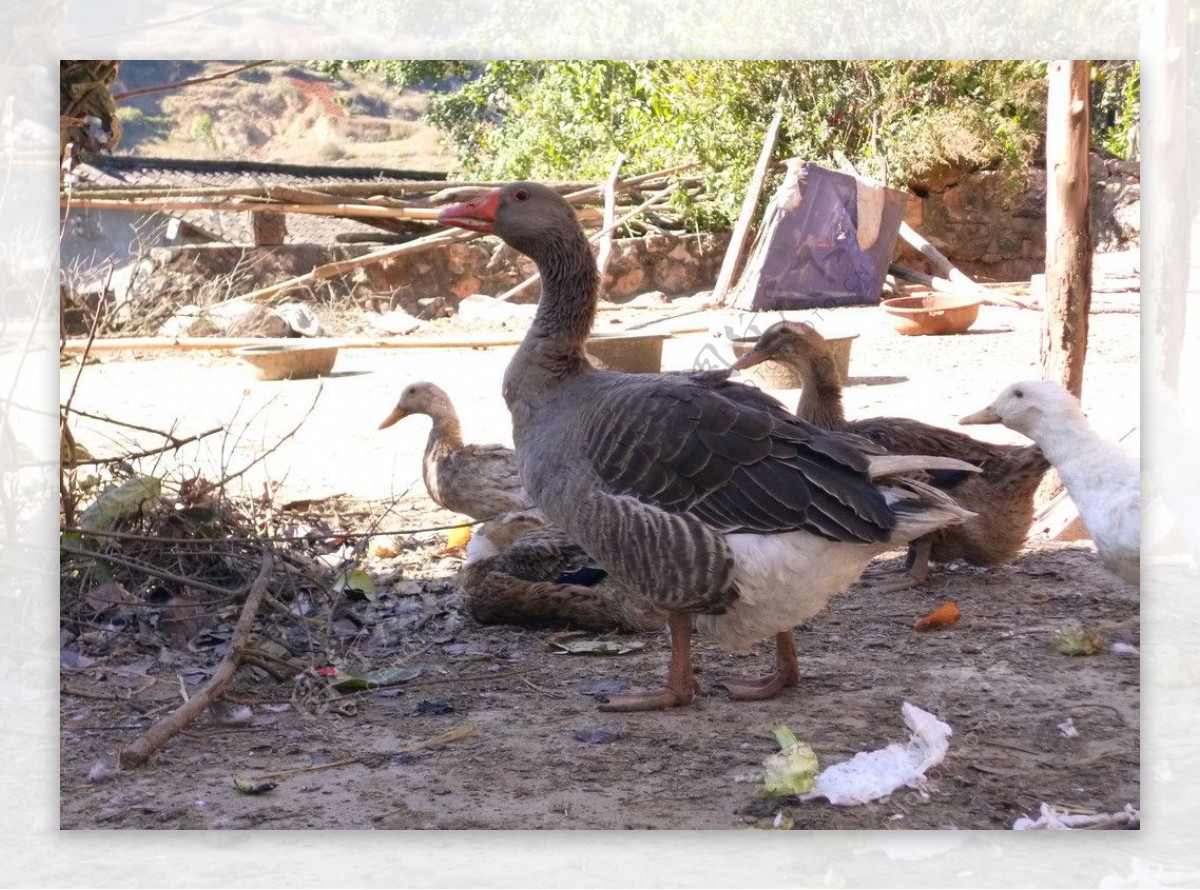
[(568, 304), (821, 395)]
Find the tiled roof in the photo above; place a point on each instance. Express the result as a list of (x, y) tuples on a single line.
[(98, 171)]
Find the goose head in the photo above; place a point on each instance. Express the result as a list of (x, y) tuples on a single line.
[(1028, 405), (418, 398), (791, 342), (528, 216)]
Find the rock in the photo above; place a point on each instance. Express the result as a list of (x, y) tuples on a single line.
[(397, 321)]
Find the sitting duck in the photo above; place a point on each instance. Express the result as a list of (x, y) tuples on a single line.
[(1001, 494), (1101, 478), (521, 570), (480, 481), (703, 496)]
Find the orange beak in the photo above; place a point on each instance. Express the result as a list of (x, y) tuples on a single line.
[(478, 214), (398, 413)]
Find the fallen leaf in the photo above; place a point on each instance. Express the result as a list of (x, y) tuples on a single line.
[(356, 682), (943, 616), (604, 687), (1078, 641), (107, 596), (458, 538), (356, 581), (426, 708), (118, 502), (597, 647), (595, 735), (252, 786)]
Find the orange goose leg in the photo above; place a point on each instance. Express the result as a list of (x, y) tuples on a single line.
[(681, 682), (786, 674)]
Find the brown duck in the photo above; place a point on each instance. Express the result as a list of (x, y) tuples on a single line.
[(521, 570), (707, 498), (480, 481), (1000, 495)]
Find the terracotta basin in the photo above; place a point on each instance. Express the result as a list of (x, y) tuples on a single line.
[(280, 362), (932, 313)]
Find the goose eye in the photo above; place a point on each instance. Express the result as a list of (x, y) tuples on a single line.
[(520, 195), (1019, 393)]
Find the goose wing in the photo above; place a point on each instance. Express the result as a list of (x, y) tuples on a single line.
[(731, 457)]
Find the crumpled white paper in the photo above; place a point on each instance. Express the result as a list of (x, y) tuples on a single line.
[(1055, 820), (870, 775)]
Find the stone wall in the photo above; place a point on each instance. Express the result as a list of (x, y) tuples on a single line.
[(994, 233), (674, 265), (989, 232)]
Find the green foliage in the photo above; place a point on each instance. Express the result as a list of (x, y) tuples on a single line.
[(202, 127), (897, 120), (1116, 105)]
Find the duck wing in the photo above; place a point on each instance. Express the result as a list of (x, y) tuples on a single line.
[(729, 456), (481, 481)]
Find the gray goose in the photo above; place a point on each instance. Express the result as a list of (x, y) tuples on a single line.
[(1000, 494), (705, 497), (480, 481), (520, 570)]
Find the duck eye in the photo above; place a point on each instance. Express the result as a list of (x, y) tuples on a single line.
[(1019, 393), (521, 195)]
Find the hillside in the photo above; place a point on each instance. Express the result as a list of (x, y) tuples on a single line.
[(278, 112)]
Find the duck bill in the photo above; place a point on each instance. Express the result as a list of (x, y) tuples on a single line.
[(749, 360), (477, 215), (987, 415), (398, 413)]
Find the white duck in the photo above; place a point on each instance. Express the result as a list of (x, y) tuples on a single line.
[(708, 498), (1101, 478)]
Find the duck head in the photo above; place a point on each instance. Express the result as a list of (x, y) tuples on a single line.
[(1025, 406), (791, 342), (417, 398)]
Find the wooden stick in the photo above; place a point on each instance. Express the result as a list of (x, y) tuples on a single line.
[(951, 272), (945, 285), (741, 229), (340, 267), (610, 207), (165, 206), (162, 87), (168, 727)]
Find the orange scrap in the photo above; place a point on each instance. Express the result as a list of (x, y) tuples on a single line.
[(943, 616)]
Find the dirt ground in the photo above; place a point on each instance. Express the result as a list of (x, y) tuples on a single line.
[(526, 745)]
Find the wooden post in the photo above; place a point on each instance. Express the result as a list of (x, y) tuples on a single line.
[(741, 229), (269, 229), (1068, 225)]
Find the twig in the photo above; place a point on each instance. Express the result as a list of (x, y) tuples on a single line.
[(148, 569), (162, 87), (155, 539), (150, 452), (164, 730)]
